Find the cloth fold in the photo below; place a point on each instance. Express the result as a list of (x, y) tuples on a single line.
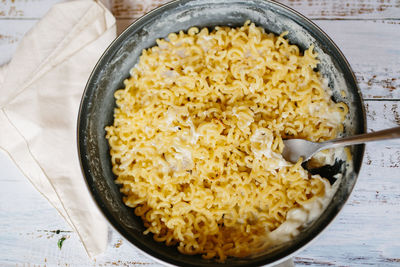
[(41, 88)]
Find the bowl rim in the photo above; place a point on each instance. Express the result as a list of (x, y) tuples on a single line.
[(81, 147)]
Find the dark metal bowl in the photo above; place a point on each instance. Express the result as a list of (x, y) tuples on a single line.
[(97, 106)]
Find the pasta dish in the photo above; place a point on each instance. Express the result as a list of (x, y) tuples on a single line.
[(197, 136)]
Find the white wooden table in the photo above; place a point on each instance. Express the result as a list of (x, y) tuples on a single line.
[(366, 232)]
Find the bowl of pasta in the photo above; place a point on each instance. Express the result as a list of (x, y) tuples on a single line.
[(181, 129)]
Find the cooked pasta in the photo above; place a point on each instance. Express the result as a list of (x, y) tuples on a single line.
[(197, 137)]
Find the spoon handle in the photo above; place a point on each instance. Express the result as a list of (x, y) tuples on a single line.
[(363, 138)]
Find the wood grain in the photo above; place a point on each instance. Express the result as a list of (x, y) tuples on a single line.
[(364, 233), (133, 9), (372, 51), (10, 36), (25, 9), (316, 9), (377, 72)]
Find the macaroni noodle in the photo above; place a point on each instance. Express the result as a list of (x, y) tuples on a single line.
[(197, 137)]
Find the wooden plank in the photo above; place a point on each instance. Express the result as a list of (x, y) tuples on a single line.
[(373, 51), (365, 232), (133, 9), (11, 32), (327, 9), (378, 73), (30, 229), (354, 9), (25, 9)]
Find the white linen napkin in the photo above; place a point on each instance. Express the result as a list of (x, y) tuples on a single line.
[(40, 92)]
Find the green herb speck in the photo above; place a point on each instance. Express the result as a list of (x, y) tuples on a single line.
[(60, 242)]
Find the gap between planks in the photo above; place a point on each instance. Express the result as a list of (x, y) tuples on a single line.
[(133, 9)]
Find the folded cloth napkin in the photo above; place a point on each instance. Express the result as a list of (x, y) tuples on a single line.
[(40, 91)]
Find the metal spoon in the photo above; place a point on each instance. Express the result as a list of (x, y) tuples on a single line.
[(296, 148)]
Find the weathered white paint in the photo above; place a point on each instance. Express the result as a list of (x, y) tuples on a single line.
[(326, 9), (373, 51), (378, 72), (27, 220), (366, 232), (25, 9), (11, 32)]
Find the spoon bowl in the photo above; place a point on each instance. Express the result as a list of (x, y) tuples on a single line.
[(298, 148)]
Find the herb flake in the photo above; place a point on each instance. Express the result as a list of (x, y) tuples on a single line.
[(60, 242)]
